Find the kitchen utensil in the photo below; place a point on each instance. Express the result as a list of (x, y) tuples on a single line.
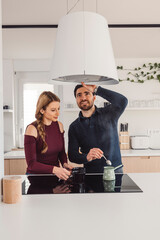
[(124, 127), (124, 139), (110, 164), (5, 107), (78, 174), (107, 161), (109, 173)]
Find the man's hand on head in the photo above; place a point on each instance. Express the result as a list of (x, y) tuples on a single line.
[(90, 88), (94, 153)]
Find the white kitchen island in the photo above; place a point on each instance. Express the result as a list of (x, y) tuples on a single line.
[(86, 216)]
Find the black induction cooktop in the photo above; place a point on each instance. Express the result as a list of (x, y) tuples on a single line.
[(90, 183)]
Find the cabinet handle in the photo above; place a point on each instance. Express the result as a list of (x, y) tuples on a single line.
[(144, 157)]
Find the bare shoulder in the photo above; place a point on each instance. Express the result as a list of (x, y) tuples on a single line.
[(61, 127), (31, 131)]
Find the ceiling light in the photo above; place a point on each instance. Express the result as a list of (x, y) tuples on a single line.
[(83, 50)]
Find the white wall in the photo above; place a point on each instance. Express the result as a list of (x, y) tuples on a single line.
[(1, 107), (8, 99), (39, 43)]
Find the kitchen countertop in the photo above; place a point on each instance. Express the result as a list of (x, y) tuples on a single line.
[(136, 153), (86, 216), (125, 153), (14, 154)]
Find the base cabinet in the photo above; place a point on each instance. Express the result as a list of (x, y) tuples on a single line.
[(6, 167), (142, 164), (15, 166), (19, 166)]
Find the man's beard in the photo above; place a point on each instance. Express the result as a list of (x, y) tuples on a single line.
[(86, 107)]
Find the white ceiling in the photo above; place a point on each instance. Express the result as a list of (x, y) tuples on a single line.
[(50, 11), (39, 43)]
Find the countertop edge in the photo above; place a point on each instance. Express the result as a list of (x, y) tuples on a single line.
[(124, 153)]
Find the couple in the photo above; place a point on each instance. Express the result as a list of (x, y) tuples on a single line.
[(92, 135)]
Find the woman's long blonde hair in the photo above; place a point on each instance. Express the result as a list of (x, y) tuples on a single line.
[(44, 100)]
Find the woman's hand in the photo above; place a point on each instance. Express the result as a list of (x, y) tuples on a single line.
[(94, 153), (61, 173)]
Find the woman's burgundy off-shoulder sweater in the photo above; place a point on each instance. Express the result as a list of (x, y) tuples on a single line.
[(44, 162)]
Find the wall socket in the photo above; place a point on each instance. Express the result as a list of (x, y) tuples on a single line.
[(153, 131)]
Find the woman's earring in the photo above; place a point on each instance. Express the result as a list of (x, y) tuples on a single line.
[(41, 111)]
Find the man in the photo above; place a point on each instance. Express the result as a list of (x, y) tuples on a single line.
[(94, 133)]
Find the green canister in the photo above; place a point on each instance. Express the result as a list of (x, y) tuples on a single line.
[(109, 173)]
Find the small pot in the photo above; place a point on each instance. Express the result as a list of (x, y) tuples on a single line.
[(109, 173), (78, 174)]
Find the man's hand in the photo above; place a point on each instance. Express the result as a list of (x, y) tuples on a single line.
[(94, 153), (68, 166), (90, 88)]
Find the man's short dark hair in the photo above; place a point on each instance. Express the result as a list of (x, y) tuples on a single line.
[(76, 88)]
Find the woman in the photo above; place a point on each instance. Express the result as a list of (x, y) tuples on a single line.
[(44, 140)]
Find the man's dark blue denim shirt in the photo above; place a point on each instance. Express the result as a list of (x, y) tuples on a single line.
[(98, 131)]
